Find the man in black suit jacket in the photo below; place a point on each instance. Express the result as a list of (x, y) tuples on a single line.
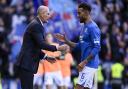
[(33, 43)]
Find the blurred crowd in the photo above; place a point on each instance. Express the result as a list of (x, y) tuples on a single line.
[(110, 15)]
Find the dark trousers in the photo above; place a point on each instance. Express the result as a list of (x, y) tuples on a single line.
[(26, 79), (100, 85), (116, 86)]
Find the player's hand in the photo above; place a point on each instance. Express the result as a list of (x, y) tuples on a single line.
[(81, 66), (63, 48), (60, 37)]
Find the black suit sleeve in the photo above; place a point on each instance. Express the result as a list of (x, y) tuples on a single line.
[(37, 35)]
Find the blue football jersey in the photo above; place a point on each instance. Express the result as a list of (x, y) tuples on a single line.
[(89, 42)]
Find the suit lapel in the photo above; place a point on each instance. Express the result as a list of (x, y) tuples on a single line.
[(43, 29), (37, 19)]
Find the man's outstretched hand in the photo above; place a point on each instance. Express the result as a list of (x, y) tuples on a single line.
[(60, 37), (63, 48)]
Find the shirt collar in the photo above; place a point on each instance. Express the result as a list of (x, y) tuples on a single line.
[(41, 21)]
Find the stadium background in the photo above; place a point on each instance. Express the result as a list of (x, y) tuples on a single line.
[(110, 15)]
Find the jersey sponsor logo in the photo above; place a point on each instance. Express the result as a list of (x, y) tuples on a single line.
[(96, 41)]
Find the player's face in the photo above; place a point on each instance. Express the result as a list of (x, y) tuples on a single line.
[(82, 15), (49, 38)]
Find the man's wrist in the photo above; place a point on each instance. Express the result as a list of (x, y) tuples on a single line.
[(85, 61), (88, 58)]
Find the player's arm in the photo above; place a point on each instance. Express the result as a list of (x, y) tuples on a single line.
[(64, 39), (95, 38), (70, 43)]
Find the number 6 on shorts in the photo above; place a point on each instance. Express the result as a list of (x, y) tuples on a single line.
[(83, 75)]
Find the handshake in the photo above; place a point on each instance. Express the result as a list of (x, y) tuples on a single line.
[(64, 48)]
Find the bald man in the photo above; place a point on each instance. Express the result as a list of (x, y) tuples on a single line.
[(33, 43)]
